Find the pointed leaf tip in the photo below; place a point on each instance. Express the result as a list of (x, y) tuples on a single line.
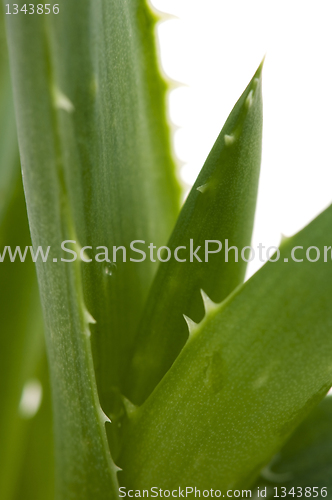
[(258, 73)]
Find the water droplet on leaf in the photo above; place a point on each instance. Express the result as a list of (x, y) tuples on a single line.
[(110, 269)]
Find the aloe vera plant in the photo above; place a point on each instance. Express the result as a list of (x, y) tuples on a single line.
[(166, 372)]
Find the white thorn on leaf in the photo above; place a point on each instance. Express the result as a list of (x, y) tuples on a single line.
[(171, 83), (250, 98), (283, 238), (174, 128), (31, 398), (61, 101), (103, 416), (274, 477), (89, 318), (192, 326), (209, 305), (164, 16), (269, 475), (229, 139), (202, 188)]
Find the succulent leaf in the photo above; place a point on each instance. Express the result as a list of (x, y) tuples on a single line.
[(306, 459), (97, 171), (22, 350), (256, 365), (220, 206)]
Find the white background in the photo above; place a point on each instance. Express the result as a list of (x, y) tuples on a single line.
[(214, 47)]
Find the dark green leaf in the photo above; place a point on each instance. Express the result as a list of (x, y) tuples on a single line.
[(306, 459)]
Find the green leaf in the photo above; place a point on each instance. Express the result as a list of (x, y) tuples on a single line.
[(97, 170), (306, 459), (91, 78), (250, 372), (116, 149), (220, 207), (21, 340), (8, 139)]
